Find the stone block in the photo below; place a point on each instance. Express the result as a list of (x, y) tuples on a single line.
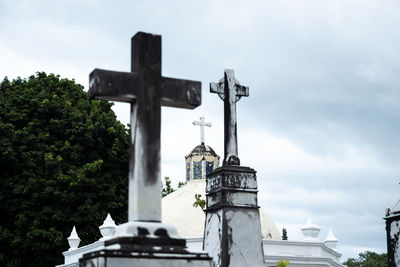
[(232, 234)]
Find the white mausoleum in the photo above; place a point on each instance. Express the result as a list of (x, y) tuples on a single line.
[(178, 210)]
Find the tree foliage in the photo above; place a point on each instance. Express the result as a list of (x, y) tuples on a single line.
[(166, 187), (199, 202), (63, 162), (368, 259)]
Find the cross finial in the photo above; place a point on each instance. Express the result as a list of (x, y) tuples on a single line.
[(230, 91), (202, 123)]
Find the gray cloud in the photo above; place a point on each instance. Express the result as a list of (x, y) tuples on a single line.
[(323, 78)]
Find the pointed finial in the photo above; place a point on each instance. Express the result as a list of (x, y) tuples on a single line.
[(310, 231), (108, 227), (73, 240), (331, 241)]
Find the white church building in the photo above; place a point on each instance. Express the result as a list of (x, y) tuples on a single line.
[(178, 210)]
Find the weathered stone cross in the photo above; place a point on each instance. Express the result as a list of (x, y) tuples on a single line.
[(202, 123), (230, 91), (146, 90)]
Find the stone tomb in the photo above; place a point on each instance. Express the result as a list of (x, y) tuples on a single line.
[(232, 235)]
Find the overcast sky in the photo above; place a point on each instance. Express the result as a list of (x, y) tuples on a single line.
[(320, 126)]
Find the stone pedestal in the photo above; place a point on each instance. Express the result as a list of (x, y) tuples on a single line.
[(232, 234), (145, 244), (393, 235)]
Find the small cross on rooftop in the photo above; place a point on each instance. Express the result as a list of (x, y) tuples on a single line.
[(202, 123)]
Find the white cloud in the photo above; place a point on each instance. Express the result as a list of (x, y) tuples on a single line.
[(272, 154)]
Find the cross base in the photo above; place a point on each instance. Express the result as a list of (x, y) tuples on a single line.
[(231, 160), (145, 244), (148, 229)]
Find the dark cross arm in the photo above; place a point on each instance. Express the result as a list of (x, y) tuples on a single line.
[(180, 93), (242, 90), (123, 86), (219, 88), (113, 85)]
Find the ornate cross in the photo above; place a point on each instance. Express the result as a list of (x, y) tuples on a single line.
[(146, 90), (230, 91), (202, 123)]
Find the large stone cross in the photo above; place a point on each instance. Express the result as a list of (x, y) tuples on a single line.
[(230, 91), (146, 90), (202, 123)]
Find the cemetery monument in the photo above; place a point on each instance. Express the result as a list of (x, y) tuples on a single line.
[(232, 234), (144, 240)]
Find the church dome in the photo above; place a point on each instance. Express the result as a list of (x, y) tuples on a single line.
[(202, 150), (200, 161), (178, 210)]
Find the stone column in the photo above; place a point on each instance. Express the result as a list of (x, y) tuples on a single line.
[(232, 234)]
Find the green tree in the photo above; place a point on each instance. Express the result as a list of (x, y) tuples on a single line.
[(63, 162), (166, 187), (199, 202), (368, 259)]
